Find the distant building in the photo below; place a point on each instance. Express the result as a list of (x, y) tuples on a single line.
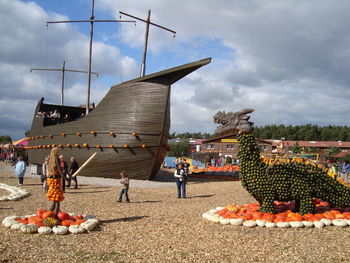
[(227, 145), (317, 146)]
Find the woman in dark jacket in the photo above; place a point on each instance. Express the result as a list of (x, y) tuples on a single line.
[(74, 166)]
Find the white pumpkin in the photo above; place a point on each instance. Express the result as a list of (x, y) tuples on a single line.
[(89, 226), (347, 221), (236, 221), (212, 218), (10, 220), (94, 220), (87, 217), (29, 229), (3, 198), (260, 222), (326, 221), (224, 221), (17, 226), (13, 197), (44, 230), (270, 224), (15, 193), (249, 223), (218, 208), (319, 224), (296, 224), (339, 222), (75, 229), (283, 224), (212, 211), (205, 215), (308, 224), (60, 230)]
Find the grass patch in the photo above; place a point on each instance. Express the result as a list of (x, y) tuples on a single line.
[(84, 256)]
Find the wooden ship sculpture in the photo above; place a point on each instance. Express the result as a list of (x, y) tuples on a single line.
[(129, 128)]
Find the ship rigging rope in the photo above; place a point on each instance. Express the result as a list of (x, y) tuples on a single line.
[(171, 50), (47, 46), (121, 59)]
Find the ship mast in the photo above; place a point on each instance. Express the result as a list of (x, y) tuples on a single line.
[(91, 21), (148, 23), (63, 70)]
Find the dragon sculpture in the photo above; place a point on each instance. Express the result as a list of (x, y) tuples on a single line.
[(294, 181)]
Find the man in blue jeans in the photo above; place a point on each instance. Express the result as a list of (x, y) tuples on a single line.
[(181, 180)]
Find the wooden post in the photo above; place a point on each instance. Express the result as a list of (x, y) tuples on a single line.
[(90, 56), (63, 69), (143, 65), (91, 21), (148, 23), (62, 90)]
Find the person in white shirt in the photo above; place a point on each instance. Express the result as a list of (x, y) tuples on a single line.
[(181, 180)]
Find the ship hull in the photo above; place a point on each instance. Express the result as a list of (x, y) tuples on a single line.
[(129, 129)]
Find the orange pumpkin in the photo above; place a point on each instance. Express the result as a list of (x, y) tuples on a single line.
[(78, 222), (47, 214), (67, 222), (39, 213), (34, 220)]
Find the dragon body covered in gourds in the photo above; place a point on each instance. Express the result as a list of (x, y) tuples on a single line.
[(293, 181)]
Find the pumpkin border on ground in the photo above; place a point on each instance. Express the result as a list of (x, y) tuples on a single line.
[(228, 216), (16, 193), (89, 223)]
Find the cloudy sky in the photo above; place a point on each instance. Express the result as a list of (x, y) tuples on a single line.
[(289, 60)]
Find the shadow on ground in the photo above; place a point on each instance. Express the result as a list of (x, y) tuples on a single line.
[(124, 219), (91, 192), (201, 196), (147, 201), (167, 175)]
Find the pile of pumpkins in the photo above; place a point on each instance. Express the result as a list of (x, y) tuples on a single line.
[(15, 194), (225, 168), (45, 222), (249, 216)]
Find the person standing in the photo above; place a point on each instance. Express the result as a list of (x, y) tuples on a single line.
[(54, 182), (346, 171), (186, 167), (181, 181), (20, 169), (44, 173), (124, 181), (64, 168), (74, 166)]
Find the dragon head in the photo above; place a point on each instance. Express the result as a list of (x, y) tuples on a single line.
[(238, 121)]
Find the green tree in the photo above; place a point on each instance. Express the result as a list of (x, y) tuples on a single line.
[(346, 158), (296, 148), (332, 151), (179, 149), (207, 160), (5, 139)]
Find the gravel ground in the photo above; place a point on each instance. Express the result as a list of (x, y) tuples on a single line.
[(158, 227)]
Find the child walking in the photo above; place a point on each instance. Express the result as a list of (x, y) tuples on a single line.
[(124, 181)]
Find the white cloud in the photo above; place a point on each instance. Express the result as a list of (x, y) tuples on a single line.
[(287, 59), (28, 43)]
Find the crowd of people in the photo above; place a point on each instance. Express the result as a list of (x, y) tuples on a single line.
[(341, 170), (221, 161), (8, 157), (66, 171), (55, 117)]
